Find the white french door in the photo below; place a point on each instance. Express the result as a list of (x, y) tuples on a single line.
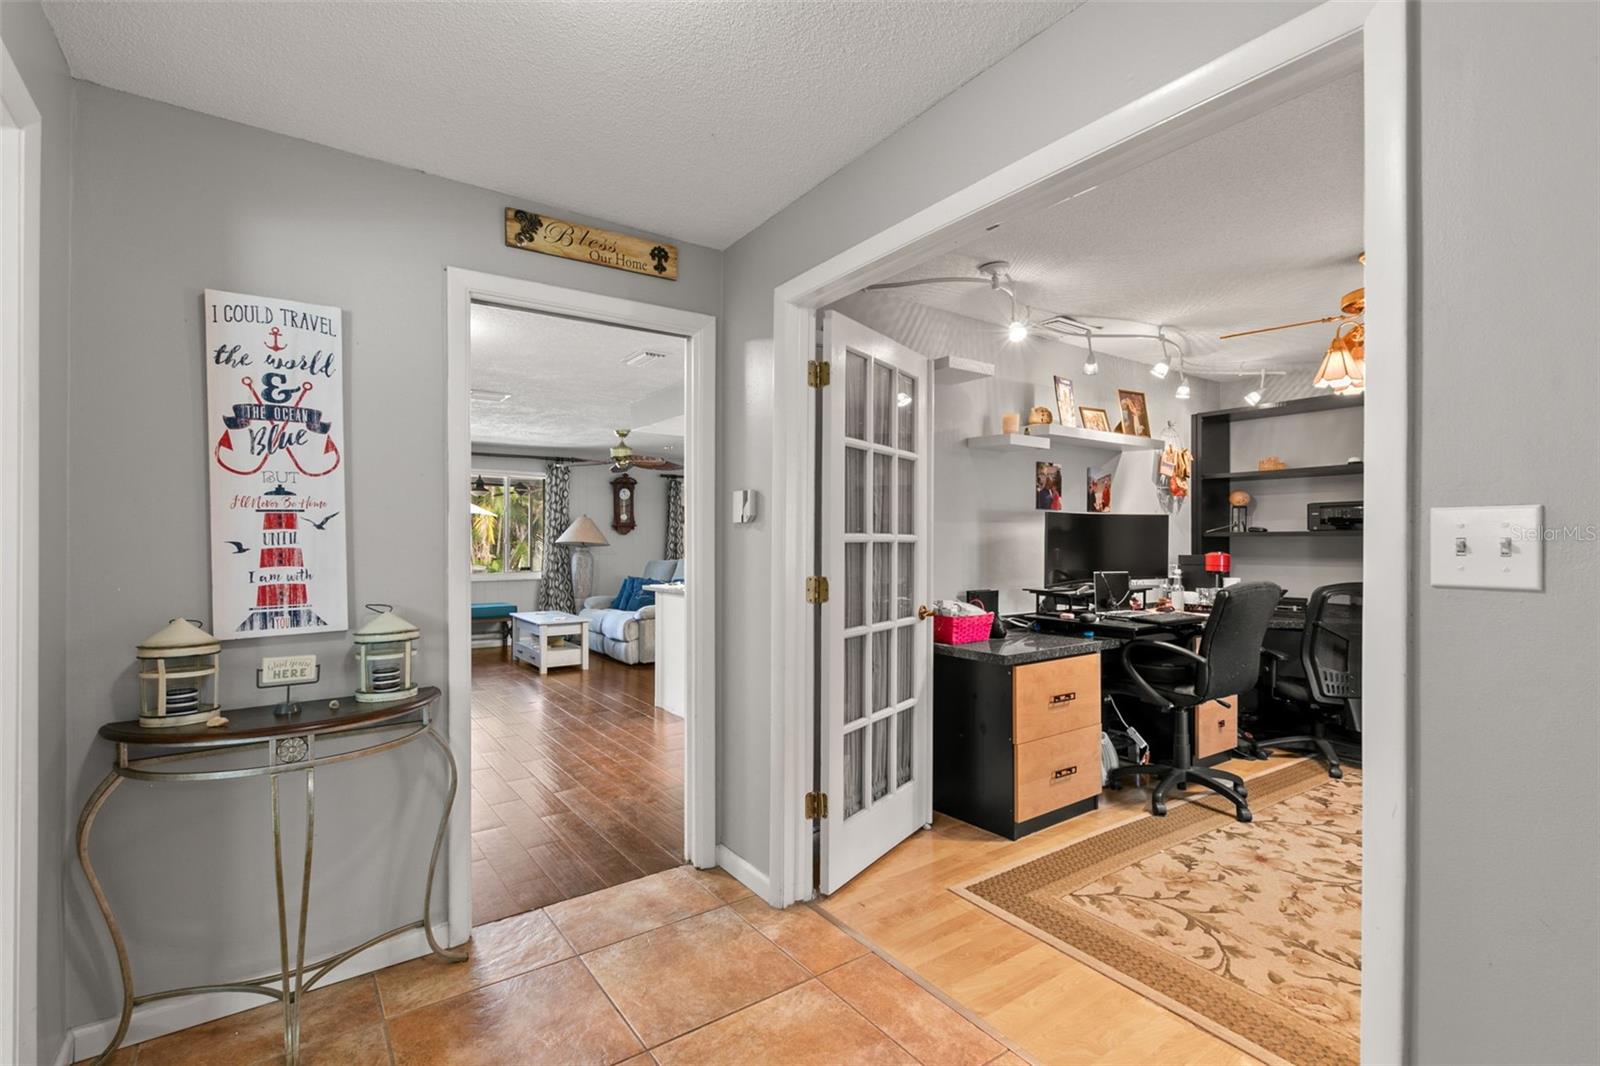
[(875, 653)]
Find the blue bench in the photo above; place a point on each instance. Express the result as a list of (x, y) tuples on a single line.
[(497, 616)]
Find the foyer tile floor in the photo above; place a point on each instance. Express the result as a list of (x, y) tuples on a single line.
[(682, 967), (577, 782)]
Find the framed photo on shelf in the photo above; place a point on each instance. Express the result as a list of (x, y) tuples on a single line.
[(1064, 405), (1135, 413), (1095, 418)]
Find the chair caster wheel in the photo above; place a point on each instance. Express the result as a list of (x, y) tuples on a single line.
[(1335, 772), (1158, 809), (1246, 816)]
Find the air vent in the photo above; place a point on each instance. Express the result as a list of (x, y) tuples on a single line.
[(642, 356)]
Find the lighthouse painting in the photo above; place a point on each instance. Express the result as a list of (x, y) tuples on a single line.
[(275, 438)]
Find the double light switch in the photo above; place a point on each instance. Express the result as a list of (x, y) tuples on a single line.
[(1487, 547)]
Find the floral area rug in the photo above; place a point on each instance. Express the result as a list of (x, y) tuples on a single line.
[(1251, 930)]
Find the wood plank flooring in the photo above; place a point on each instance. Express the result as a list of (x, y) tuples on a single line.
[(577, 782), (1047, 1004)]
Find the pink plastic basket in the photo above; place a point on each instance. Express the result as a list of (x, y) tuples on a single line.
[(964, 629)]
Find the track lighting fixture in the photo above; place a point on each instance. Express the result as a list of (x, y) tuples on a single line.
[(1163, 365), (1253, 397), (1091, 366), (1017, 332), (1183, 386)]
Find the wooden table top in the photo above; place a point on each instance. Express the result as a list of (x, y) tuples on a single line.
[(259, 723)]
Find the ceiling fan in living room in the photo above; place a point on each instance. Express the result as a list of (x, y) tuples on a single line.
[(1344, 365), (623, 458)]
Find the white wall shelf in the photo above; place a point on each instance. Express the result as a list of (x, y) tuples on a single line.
[(1009, 440), (1050, 436), (953, 370)]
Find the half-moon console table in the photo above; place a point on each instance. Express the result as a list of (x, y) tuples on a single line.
[(280, 745)]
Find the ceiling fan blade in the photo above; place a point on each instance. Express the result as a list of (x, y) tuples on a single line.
[(1286, 325), (921, 281), (654, 462)]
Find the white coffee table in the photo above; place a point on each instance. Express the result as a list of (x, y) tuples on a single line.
[(550, 638)]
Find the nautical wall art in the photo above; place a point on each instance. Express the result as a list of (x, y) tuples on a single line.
[(275, 431)]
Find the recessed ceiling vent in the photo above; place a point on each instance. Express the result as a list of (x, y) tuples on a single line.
[(642, 357)]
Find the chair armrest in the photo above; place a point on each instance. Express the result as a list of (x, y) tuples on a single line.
[(1165, 648), (1273, 657), (597, 603), (645, 612)]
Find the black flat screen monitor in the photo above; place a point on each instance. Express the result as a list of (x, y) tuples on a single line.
[(1076, 545)]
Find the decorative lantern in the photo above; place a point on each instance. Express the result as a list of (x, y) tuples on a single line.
[(178, 675), (1239, 511), (384, 650)]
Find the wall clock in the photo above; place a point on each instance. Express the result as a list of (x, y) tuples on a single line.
[(622, 504)]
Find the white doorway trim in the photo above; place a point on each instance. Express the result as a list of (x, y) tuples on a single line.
[(1327, 42), (20, 133), (700, 494)]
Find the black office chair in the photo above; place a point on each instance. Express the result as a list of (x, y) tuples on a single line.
[(1177, 680), (1330, 652)]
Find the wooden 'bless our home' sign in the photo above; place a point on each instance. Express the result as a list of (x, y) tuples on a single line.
[(571, 240)]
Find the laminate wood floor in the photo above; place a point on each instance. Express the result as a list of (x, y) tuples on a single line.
[(577, 782), (1048, 1005)]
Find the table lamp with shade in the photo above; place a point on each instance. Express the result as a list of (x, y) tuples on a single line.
[(579, 537)]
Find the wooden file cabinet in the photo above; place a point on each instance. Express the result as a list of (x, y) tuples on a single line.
[(1016, 748), (1216, 730)]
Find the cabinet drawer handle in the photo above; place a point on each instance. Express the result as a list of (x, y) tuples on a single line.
[(1063, 697), (1222, 723), (1065, 771)]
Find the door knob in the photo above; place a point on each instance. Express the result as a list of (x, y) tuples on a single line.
[(924, 612)]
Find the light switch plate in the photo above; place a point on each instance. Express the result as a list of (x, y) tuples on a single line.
[(1487, 547)]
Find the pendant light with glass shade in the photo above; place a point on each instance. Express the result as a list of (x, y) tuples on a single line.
[(1344, 367)]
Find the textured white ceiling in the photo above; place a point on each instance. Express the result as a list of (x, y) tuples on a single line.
[(568, 385), (1256, 225), (696, 121)]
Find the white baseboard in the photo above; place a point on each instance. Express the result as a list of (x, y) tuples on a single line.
[(164, 1016), (745, 874)]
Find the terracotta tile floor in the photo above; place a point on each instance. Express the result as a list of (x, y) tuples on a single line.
[(681, 967), (577, 782)]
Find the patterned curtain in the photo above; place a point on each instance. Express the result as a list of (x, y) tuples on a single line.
[(674, 548), (555, 589)]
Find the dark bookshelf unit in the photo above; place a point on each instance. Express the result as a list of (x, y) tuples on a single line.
[(1214, 480)]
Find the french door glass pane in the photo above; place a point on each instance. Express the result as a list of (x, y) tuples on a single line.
[(855, 396), (880, 759), (906, 492), (906, 404), (882, 499), (904, 607), (882, 553), (853, 792), (881, 648), (904, 691), (855, 490), (883, 404), (903, 748), (855, 582), (855, 654)]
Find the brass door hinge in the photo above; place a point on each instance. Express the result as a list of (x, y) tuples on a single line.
[(816, 805), (816, 590), (819, 373)]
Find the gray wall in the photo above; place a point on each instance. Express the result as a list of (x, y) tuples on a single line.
[(987, 533), (167, 203), (1091, 62), (1505, 833), (32, 46)]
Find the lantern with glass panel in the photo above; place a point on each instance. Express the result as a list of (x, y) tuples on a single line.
[(384, 647), (178, 675)]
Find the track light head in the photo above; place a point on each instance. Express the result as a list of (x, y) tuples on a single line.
[(1183, 389), (1161, 369), (1017, 332)]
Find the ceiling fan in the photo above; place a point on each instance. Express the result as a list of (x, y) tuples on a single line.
[(624, 459), (1344, 366)]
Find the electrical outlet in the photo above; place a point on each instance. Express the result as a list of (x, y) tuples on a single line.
[(1487, 547)]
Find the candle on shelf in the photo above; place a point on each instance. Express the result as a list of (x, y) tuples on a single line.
[(1010, 422)]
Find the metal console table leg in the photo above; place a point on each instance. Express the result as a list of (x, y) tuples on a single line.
[(285, 754)]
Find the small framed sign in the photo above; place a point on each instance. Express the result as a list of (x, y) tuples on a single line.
[(288, 670), (587, 244)]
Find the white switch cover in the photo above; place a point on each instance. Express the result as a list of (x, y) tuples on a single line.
[(1487, 547)]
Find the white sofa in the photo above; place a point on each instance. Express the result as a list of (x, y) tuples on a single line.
[(628, 636)]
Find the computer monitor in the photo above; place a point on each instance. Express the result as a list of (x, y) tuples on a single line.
[(1076, 545)]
